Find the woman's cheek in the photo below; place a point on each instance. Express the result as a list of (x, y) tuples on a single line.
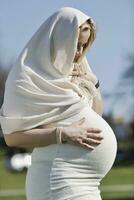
[(84, 36)]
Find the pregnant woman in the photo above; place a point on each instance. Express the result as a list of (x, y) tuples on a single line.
[(50, 104)]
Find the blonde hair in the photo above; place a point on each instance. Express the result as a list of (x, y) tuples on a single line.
[(91, 38), (92, 33)]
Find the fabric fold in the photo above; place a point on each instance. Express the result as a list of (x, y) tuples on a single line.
[(38, 89)]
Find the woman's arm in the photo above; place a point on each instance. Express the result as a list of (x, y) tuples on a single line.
[(97, 105), (31, 138), (74, 133)]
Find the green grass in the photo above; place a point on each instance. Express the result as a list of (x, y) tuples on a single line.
[(118, 196), (117, 176), (13, 198), (10, 180)]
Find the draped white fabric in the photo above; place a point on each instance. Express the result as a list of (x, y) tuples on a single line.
[(38, 88)]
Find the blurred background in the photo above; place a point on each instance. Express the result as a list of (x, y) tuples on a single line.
[(111, 59)]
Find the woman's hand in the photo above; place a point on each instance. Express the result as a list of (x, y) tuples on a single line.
[(79, 72), (85, 80), (85, 136)]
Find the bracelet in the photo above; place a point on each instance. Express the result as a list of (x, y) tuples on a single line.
[(59, 132), (97, 84)]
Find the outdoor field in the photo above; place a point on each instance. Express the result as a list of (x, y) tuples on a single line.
[(117, 185)]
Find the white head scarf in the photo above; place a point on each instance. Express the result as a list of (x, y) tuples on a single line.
[(38, 89)]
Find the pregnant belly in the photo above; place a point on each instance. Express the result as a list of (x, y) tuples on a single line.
[(103, 156), (99, 160)]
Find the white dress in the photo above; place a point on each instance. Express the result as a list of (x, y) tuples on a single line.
[(71, 172)]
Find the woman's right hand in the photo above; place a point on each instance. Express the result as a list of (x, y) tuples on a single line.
[(84, 136)]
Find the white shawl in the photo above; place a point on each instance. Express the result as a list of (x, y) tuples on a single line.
[(38, 89)]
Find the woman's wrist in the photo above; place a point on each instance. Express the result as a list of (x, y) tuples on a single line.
[(60, 135), (64, 135)]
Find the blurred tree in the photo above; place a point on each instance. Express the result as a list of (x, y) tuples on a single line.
[(3, 75), (123, 93), (126, 88)]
